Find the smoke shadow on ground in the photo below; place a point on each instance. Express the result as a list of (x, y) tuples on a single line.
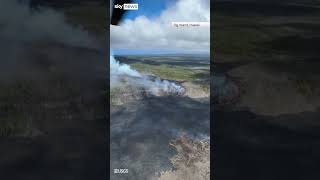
[(141, 132), (251, 146)]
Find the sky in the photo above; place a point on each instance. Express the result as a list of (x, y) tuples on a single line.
[(149, 30), (149, 8)]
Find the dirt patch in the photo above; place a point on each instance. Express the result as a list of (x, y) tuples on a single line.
[(192, 162), (269, 92), (195, 90)]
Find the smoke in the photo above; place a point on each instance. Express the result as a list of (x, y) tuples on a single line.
[(18, 22), (223, 90), (118, 69), (160, 87), (23, 29), (123, 74)]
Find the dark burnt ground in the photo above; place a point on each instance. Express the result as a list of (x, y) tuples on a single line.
[(142, 130), (249, 146), (58, 91)]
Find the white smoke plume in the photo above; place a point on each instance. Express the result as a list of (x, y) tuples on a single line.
[(118, 69), (158, 86), (121, 74), (23, 28), (20, 23)]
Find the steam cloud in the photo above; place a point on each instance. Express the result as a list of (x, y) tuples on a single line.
[(123, 72)]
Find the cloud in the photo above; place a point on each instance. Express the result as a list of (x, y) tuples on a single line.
[(157, 33)]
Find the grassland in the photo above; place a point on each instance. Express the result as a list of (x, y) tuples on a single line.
[(280, 43), (13, 99), (184, 73), (191, 72), (13, 126), (177, 68), (166, 71), (259, 36), (92, 18), (229, 39)]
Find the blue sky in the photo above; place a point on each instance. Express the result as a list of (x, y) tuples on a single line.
[(149, 8), (155, 35)]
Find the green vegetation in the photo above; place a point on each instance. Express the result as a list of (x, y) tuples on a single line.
[(12, 126), (232, 37), (205, 86), (164, 71), (114, 95), (243, 36), (16, 92), (304, 87), (117, 95), (236, 42), (194, 77), (92, 18), (12, 98)]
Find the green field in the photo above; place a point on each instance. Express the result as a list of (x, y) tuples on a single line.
[(92, 18), (254, 36)]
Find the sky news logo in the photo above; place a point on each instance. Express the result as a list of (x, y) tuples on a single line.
[(130, 6)]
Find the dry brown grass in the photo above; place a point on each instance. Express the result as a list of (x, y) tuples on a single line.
[(192, 162)]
